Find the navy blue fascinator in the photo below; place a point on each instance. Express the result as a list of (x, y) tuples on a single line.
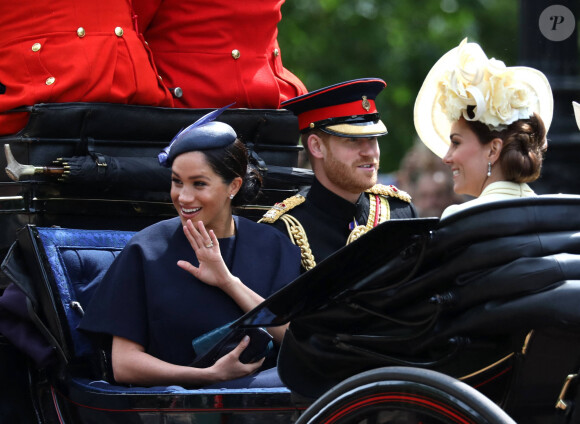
[(203, 134)]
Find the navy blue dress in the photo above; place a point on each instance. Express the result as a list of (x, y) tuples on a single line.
[(145, 297)]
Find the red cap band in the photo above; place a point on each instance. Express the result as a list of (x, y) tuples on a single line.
[(346, 109)]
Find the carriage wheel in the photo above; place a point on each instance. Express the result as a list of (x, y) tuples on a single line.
[(403, 395)]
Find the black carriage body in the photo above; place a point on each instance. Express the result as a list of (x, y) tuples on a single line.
[(489, 296), (56, 268)]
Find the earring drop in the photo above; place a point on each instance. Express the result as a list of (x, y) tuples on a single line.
[(231, 197), (489, 169)]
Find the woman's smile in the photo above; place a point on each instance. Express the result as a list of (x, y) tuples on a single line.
[(199, 194), (467, 158)]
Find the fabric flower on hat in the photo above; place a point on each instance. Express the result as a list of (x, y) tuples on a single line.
[(464, 78), (487, 84), (508, 101)]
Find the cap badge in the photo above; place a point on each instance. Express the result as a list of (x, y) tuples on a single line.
[(366, 104)]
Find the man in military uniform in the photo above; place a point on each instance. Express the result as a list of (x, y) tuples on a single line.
[(339, 125)]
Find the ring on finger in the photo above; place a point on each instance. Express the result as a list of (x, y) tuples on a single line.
[(209, 245)]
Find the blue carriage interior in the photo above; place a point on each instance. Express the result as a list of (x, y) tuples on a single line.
[(67, 266)]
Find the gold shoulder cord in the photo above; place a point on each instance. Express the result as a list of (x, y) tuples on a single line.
[(390, 191), (384, 215), (295, 229), (298, 236), (378, 194), (279, 209)]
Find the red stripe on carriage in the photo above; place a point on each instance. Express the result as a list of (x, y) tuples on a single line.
[(405, 398), (492, 377), (56, 407)]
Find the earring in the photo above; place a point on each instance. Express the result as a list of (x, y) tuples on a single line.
[(231, 197), (489, 169)]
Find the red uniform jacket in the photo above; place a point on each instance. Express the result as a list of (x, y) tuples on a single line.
[(54, 51), (219, 51)]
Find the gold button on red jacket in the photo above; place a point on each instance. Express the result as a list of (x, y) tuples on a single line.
[(54, 51), (219, 52)]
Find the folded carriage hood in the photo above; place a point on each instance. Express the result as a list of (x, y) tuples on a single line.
[(450, 295)]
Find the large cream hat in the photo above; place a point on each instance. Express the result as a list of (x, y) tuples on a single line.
[(577, 113), (464, 77)]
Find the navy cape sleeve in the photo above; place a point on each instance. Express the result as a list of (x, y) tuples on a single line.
[(266, 260), (118, 306), (145, 297)]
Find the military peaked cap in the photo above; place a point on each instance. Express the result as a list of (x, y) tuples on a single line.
[(346, 109)]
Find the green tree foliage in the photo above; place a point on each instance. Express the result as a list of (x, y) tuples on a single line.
[(328, 41)]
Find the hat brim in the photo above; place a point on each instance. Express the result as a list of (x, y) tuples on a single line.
[(358, 130), (577, 113), (433, 126)]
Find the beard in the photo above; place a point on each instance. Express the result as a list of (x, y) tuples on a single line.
[(347, 176)]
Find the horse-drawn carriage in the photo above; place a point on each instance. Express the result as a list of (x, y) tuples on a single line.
[(473, 319)]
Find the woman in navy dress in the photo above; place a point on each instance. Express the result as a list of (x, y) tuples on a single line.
[(183, 277)]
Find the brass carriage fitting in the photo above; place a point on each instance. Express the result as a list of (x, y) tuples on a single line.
[(527, 341), (561, 403)]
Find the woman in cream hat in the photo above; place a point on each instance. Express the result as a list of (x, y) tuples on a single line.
[(488, 123)]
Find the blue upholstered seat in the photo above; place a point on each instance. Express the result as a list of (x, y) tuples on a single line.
[(78, 260)]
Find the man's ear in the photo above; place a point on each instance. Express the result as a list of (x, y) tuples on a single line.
[(316, 146), (495, 147)]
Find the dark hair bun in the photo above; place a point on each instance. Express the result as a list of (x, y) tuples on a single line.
[(524, 145), (250, 187), (232, 162)]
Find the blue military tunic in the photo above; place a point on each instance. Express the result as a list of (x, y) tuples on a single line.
[(145, 297)]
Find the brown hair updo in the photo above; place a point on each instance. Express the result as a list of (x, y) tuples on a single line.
[(233, 161), (524, 145)]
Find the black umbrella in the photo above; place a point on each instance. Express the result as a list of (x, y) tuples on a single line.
[(105, 171), (118, 172)]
